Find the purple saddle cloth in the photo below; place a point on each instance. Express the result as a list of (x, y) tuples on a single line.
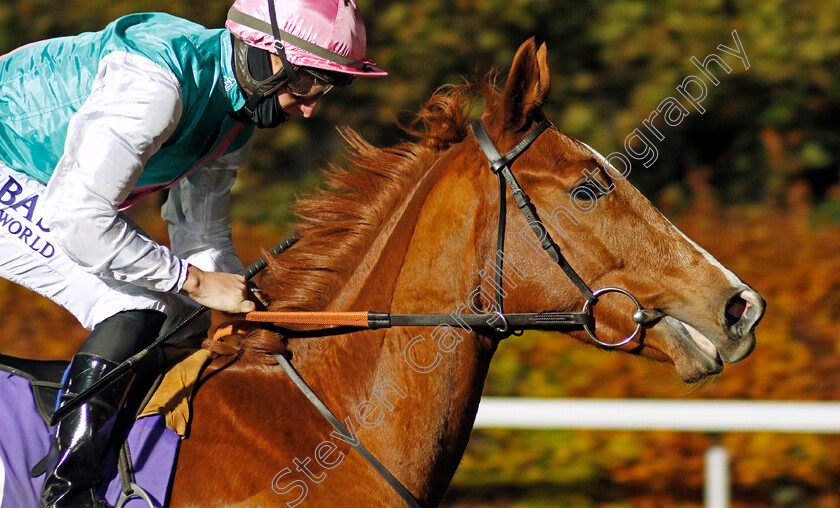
[(25, 440)]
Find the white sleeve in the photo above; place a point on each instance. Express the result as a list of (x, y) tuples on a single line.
[(134, 106), (197, 211)]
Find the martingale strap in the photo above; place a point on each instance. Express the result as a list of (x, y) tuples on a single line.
[(348, 436)]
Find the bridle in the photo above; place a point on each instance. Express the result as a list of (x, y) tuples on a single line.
[(500, 165), (497, 324)]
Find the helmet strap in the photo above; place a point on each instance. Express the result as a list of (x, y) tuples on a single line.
[(278, 44)]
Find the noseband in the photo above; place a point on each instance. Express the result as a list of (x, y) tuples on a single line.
[(500, 165)]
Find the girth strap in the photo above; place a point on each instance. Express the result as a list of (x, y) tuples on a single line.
[(501, 166), (409, 499)]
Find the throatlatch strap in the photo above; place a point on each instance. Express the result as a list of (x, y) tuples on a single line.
[(501, 165), (322, 408)]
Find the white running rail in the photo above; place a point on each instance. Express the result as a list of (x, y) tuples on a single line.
[(718, 416)]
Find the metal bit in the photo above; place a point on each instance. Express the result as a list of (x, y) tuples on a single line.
[(645, 316)]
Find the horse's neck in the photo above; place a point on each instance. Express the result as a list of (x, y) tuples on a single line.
[(422, 262)]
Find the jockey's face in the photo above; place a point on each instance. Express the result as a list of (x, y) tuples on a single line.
[(290, 104)]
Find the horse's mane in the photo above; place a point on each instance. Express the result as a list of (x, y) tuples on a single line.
[(338, 222)]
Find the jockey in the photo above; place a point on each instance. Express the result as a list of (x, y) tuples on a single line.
[(90, 124)]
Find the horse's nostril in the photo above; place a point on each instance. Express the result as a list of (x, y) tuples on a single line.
[(743, 312), (735, 309)]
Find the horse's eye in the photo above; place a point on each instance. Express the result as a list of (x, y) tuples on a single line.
[(587, 191)]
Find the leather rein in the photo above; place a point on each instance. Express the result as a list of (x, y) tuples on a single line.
[(497, 324)]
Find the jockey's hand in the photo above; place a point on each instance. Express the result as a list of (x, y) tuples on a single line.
[(227, 292)]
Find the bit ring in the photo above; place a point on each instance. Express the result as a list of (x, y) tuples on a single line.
[(588, 305)]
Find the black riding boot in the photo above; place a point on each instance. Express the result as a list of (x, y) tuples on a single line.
[(81, 438)]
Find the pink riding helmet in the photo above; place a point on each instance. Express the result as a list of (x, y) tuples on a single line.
[(324, 34)]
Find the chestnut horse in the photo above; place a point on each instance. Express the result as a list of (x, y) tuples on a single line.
[(410, 229)]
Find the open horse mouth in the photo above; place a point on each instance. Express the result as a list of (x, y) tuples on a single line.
[(697, 355)]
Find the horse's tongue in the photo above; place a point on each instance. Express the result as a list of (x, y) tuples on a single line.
[(701, 340), (692, 360)]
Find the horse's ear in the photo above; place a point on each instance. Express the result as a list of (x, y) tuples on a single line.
[(527, 84)]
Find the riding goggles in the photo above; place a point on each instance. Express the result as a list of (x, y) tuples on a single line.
[(312, 82), (251, 64)]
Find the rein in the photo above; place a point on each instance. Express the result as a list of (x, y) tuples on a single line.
[(498, 323)]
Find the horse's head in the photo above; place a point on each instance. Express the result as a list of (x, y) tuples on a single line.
[(702, 314)]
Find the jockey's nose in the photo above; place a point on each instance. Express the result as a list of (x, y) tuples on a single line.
[(308, 108)]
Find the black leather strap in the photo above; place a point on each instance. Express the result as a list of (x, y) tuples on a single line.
[(322, 408), (278, 43), (497, 161), (489, 323), (499, 265), (125, 468), (501, 165), (523, 321)]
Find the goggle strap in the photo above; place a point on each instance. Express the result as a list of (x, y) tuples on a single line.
[(278, 34), (256, 89)]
